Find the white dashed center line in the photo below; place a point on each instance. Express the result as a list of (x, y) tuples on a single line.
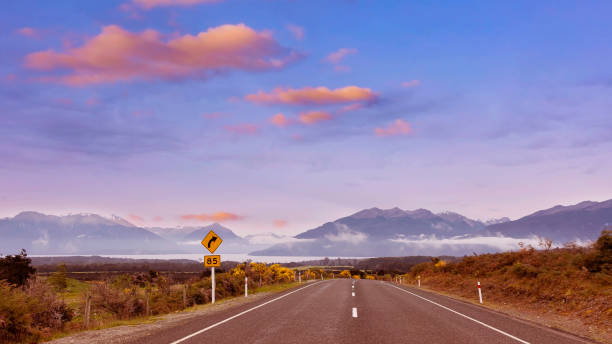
[(353, 293), (354, 312)]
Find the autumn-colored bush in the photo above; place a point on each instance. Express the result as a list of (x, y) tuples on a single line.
[(345, 274), (30, 313), (123, 303), (569, 280)]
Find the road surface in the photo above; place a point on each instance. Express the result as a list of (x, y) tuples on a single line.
[(363, 311)]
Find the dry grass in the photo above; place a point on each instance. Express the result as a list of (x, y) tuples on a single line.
[(571, 288)]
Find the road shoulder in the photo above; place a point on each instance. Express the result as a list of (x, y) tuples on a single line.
[(130, 333)]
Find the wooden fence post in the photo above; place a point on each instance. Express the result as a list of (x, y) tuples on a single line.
[(184, 296), (147, 308), (87, 310)]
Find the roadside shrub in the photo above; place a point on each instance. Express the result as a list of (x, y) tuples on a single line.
[(15, 318), (30, 314), (123, 303), (58, 279), (601, 257), (522, 270), (16, 269), (46, 309)]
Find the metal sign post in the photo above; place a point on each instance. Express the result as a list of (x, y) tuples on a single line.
[(212, 241), (212, 275)]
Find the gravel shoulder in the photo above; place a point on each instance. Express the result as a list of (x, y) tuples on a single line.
[(130, 333)]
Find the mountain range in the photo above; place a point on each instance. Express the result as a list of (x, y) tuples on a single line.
[(369, 232)]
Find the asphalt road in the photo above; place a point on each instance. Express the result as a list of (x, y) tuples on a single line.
[(379, 312)]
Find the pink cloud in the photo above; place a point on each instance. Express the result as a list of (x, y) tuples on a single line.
[(149, 4), (242, 129), (119, 55), (10, 77), (218, 216), (92, 101), (297, 31), (135, 218), (411, 83), (350, 107), (340, 54), (158, 219), (312, 117), (279, 120), (280, 223), (399, 127), (28, 32), (310, 95)]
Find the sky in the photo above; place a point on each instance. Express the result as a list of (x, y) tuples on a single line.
[(283, 115)]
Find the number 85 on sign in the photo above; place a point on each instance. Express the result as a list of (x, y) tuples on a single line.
[(212, 261)]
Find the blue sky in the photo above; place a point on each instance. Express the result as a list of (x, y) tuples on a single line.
[(485, 108)]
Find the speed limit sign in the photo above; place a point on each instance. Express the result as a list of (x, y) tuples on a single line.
[(212, 261)]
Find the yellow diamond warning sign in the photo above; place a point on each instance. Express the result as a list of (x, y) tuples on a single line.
[(212, 241)]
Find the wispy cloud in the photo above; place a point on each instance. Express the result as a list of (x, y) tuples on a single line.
[(411, 83), (297, 31), (280, 223), (337, 56), (279, 120), (28, 32), (345, 234), (399, 127), (218, 216), (458, 243), (312, 117), (135, 218), (313, 95), (119, 55), (149, 4), (242, 129)]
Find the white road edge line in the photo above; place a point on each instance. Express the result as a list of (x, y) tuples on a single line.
[(354, 312), (463, 315), (239, 314)]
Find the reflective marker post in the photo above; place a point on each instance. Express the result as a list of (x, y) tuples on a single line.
[(246, 287), (479, 293), (213, 284)]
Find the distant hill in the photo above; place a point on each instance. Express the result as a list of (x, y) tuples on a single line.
[(77, 234), (390, 223), (91, 234), (382, 232), (582, 221), (396, 232)]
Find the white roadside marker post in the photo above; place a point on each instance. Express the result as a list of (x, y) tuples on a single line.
[(419, 281), (479, 292), (212, 275), (246, 287), (299, 277)]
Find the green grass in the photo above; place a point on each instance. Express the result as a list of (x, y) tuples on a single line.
[(73, 295), (274, 288), (313, 267)]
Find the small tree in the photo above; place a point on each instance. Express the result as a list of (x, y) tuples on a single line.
[(58, 279), (16, 269), (601, 258)]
